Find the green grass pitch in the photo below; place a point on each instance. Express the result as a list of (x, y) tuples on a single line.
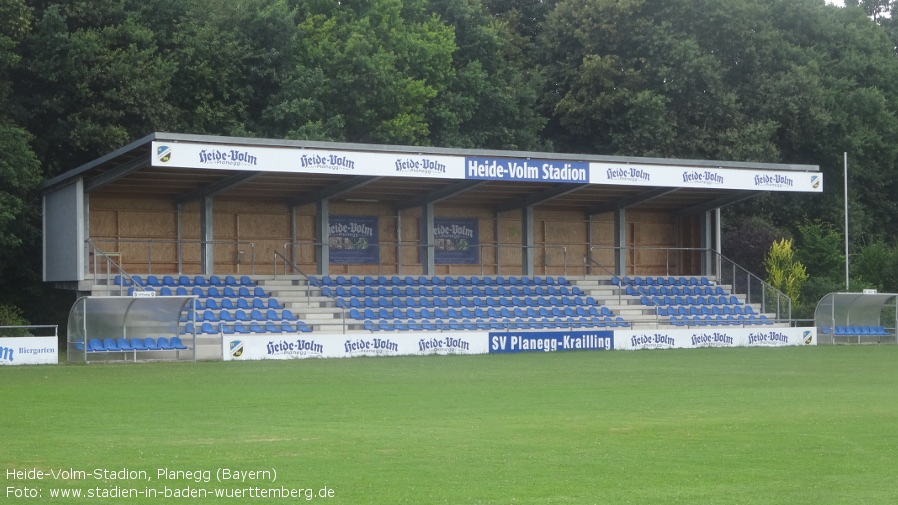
[(711, 426)]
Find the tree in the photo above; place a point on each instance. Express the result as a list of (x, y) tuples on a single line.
[(490, 96), (876, 266), (90, 82), (783, 271), (745, 242), (822, 249)]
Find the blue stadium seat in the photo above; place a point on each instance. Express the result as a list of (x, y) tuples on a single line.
[(246, 281), (123, 344), (176, 343), (138, 345), (110, 345), (152, 280), (151, 344)]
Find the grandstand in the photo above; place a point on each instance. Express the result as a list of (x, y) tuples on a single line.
[(291, 238)]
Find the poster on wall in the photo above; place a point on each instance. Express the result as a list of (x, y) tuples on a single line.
[(353, 240), (456, 241)]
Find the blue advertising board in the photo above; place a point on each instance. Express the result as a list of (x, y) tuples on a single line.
[(456, 241), (550, 341), (509, 169), (353, 240)]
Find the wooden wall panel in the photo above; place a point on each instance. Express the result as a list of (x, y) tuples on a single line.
[(124, 225)]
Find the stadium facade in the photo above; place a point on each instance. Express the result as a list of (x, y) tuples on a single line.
[(193, 204)]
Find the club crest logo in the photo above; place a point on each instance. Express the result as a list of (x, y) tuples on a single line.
[(163, 153), (236, 348), (808, 337)]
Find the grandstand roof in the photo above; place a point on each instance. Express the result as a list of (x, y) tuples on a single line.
[(185, 168)]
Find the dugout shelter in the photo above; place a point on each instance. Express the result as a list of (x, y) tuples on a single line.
[(194, 204), (857, 318), (123, 328)]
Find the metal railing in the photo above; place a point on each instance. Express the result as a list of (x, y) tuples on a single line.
[(294, 249), (296, 269), (623, 284), (686, 261), (110, 269), (179, 248), (755, 289), (26, 330)]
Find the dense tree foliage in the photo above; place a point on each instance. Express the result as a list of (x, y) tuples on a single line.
[(790, 81)]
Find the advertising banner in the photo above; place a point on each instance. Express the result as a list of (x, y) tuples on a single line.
[(456, 241), (300, 160), (255, 347), (385, 164), (551, 341), (717, 337), (509, 169), (691, 177), (353, 240), (29, 351)]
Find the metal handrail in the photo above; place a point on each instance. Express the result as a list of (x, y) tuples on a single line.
[(295, 268), (180, 242), (110, 262), (399, 265), (622, 281), (783, 302), (766, 288)]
